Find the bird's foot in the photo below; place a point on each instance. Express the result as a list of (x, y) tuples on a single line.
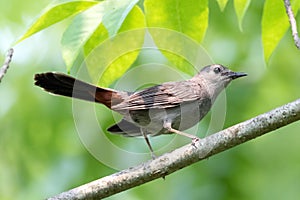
[(194, 141)]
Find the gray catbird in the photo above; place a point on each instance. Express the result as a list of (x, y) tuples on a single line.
[(163, 109)]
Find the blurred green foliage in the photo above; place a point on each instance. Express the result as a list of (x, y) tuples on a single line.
[(41, 153)]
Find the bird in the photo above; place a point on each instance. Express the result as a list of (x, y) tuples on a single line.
[(167, 108)]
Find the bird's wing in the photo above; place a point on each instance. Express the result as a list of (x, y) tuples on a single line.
[(166, 95)]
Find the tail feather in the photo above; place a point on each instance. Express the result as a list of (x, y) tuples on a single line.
[(65, 85), (125, 128)]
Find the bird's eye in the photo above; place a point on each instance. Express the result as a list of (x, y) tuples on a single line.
[(217, 70)]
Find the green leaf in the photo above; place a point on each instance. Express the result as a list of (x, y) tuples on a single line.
[(82, 29), (186, 21), (241, 7), (188, 17), (79, 31), (109, 59), (99, 35), (274, 24), (111, 23), (222, 4), (57, 12), (117, 12)]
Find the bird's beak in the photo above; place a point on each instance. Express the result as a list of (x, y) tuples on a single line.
[(234, 75)]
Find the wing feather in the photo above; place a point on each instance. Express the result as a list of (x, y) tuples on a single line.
[(166, 95)]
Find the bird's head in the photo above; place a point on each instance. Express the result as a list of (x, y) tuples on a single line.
[(216, 77)]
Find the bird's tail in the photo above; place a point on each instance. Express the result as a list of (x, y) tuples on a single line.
[(61, 84)]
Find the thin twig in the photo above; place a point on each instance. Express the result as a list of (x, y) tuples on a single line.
[(186, 155), (293, 23), (7, 61)]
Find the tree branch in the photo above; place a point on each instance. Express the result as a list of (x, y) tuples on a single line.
[(7, 61), (292, 20), (186, 155)]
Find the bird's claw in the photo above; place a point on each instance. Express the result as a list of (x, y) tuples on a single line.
[(194, 141)]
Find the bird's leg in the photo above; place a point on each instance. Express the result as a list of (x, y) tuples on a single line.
[(144, 132), (168, 125)]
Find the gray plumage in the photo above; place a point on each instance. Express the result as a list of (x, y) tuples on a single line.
[(167, 108)]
